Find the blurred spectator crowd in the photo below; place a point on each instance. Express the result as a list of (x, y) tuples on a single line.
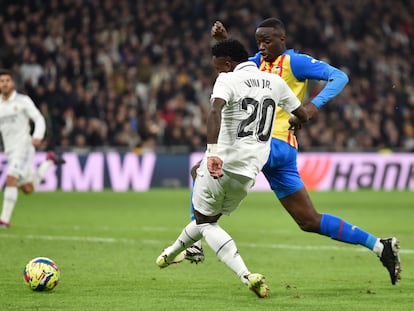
[(137, 74)]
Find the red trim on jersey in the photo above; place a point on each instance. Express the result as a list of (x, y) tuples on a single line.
[(294, 142), (270, 68), (265, 66), (291, 140), (280, 64)]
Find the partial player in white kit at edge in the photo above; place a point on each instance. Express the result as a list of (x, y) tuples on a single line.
[(16, 111), (239, 128)]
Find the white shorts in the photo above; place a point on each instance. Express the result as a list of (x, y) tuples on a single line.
[(223, 195), (20, 164)]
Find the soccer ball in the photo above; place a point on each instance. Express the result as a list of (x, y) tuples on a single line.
[(41, 274)]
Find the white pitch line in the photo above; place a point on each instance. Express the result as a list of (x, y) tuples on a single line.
[(315, 247), (92, 239), (69, 238)]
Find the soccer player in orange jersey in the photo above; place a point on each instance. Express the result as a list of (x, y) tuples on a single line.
[(281, 168)]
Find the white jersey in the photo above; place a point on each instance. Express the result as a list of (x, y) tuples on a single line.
[(15, 113), (251, 98)]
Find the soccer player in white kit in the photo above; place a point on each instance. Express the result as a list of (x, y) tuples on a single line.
[(239, 128), (16, 110)]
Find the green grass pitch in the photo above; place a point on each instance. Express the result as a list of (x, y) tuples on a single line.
[(105, 245)]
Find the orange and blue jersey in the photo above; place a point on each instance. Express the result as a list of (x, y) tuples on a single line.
[(281, 169), (297, 69)]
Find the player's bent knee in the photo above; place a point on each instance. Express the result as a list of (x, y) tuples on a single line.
[(11, 181), (202, 219), (27, 188)]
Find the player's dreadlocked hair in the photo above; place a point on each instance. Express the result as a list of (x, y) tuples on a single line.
[(273, 23), (230, 48)]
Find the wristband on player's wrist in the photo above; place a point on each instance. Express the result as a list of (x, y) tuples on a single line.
[(211, 150)]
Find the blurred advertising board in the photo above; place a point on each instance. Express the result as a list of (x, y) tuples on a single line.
[(115, 171)]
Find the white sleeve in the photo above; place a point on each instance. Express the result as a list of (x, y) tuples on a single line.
[(37, 118), (288, 100), (221, 88)]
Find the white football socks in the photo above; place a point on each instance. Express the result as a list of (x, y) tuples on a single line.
[(41, 171), (225, 248), (9, 201), (198, 244), (378, 248), (190, 234), (218, 240)]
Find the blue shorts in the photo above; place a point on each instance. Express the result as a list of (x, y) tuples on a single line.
[(281, 170)]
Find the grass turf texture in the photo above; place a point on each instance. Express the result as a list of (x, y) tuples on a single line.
[(105, 245)]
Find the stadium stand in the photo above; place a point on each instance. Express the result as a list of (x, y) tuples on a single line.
[(137, 74)]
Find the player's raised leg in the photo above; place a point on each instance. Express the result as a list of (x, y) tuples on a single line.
[(51, 159), (176, 252), (300, 207), (226, 250), (386, 249), (9, 201), (194, 253)]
